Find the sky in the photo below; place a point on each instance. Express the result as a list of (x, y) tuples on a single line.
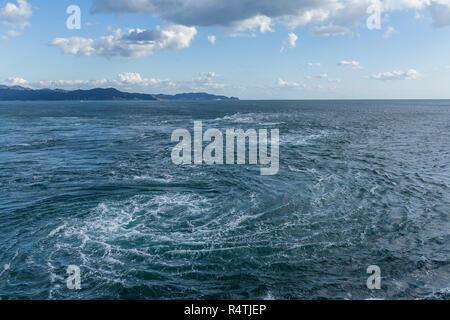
[(252, 49)]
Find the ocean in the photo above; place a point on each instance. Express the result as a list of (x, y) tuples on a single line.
[(92, 184)]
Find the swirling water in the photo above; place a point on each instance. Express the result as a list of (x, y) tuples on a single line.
[(92, 184)]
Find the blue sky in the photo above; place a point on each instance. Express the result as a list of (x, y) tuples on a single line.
[(287, 49)]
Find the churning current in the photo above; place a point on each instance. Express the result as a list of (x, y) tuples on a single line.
[(92, 184)]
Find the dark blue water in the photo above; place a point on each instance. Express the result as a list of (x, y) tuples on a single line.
[(92, 184)]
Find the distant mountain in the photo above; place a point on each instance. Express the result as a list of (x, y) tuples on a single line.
[(14, 88), (24, 94), (17, 93), (193, 96)]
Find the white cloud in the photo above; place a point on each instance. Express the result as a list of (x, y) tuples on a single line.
[(135, 82), (330, 30), (76, 45), (17, 82), (305, 17), (134, 78), (314, 64), (10, 34), (16, 17), (334, 80), (355, 65), (206, 80), (130, 77), (389, 32), (324, 76), (134, 43), (405, 4), (286, 84), (242, 35), (259, 22), (132, 82), (290, 42), (397, 75), (73, 84), (212, 39), (124, 81)]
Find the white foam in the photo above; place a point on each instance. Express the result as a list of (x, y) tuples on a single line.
[(269, 296), (7, 266), (237, 117), (263, 119), (146, 177), (55, 231)]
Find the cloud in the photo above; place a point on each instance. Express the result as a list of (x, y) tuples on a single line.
[(127, 81), (124, 81), (322, 76), (389, 32), (334, 80), (135, 43), (17, 82), (206, 80), (440, 13), (330, 30), (248, 28), (242, 35), (355, 65), (314, 64), (73, 84), (10, 34), (290, 42), (136, 82), (329, 16), (134, 78), (242, 14), (286, 84), (212, 39), (418, 15), (132, 82), (259, 22), (16, 17), (397, 75), (239, 14), (130, 77)]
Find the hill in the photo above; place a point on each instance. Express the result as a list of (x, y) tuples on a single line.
[(17, 93)]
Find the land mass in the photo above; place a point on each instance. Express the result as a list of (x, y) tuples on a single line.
[(18, 93)]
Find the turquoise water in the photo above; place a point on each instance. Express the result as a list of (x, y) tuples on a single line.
[(92, 184)]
